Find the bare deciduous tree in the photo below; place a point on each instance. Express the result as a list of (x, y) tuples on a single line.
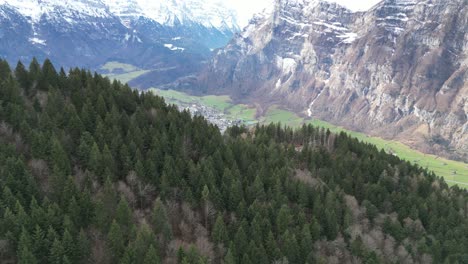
[(144, 192)]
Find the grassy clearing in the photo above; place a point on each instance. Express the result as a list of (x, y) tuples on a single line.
[(114, 66), (173, 97), (242, 112), (122, 72), (220, 103), (277, 115), (126, 77), (455, 173)]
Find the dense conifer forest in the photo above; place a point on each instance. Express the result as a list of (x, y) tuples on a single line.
[(92, 171)]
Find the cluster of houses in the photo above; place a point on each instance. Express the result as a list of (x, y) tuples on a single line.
[(212, 115)]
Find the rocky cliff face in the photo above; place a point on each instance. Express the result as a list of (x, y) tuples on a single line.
[(399, 70)]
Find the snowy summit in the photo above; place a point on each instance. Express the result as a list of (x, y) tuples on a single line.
[(211, 13)]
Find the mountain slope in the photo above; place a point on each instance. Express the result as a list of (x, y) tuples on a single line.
[(94, 172), (399, 70), (89, 33)]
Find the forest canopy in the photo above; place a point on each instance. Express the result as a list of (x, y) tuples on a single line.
[(92, 171)]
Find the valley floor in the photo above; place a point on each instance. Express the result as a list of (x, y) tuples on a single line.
[(454, 172)]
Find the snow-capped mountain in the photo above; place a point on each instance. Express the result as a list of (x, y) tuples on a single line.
[(149, 34), (398, 70), (210, 14), (33, 10)]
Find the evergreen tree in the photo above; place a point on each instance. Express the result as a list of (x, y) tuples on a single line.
[(246, 259), (69, 249), (108, 160), (106, 206), (5, 71), (51, 236), (74, 211), (240, 241), (291, 248), (229, 258), (306, 243), (116, 241), (24, 248), (26, 257), (283, 220), (160, 221), (143, 240), (331, 225), (219, 233), (34, 69), (56, 252), (39, 244), (123, 214), (48, 77), (315, 229), (94, 162), (151, 256), (82, 247), (22, 76), (59, 157), (272, 248)]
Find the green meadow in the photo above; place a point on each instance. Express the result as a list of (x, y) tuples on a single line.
[(113, 66), (126, 77), (277, 115), (122, 72), (454, 172)]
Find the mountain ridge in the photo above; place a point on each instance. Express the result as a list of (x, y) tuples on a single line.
[(208, 13), (89, 33)]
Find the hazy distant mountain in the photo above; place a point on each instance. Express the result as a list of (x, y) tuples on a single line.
[(176, 35), (398, 70)]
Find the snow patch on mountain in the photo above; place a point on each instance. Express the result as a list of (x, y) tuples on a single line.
[(356, 5), (37, 41), (173, 48), (348, 38)]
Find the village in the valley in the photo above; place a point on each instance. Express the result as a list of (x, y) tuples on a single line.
[(212, 115)]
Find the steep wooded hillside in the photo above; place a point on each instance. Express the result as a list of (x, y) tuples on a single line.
[(93, 172)]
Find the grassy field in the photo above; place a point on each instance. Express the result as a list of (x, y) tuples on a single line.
[(126, 77), (242, 112), (114, 66), (277, 115), (455, 173), (122, 72)]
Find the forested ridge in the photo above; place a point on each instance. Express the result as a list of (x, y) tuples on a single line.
[(92, 171)]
